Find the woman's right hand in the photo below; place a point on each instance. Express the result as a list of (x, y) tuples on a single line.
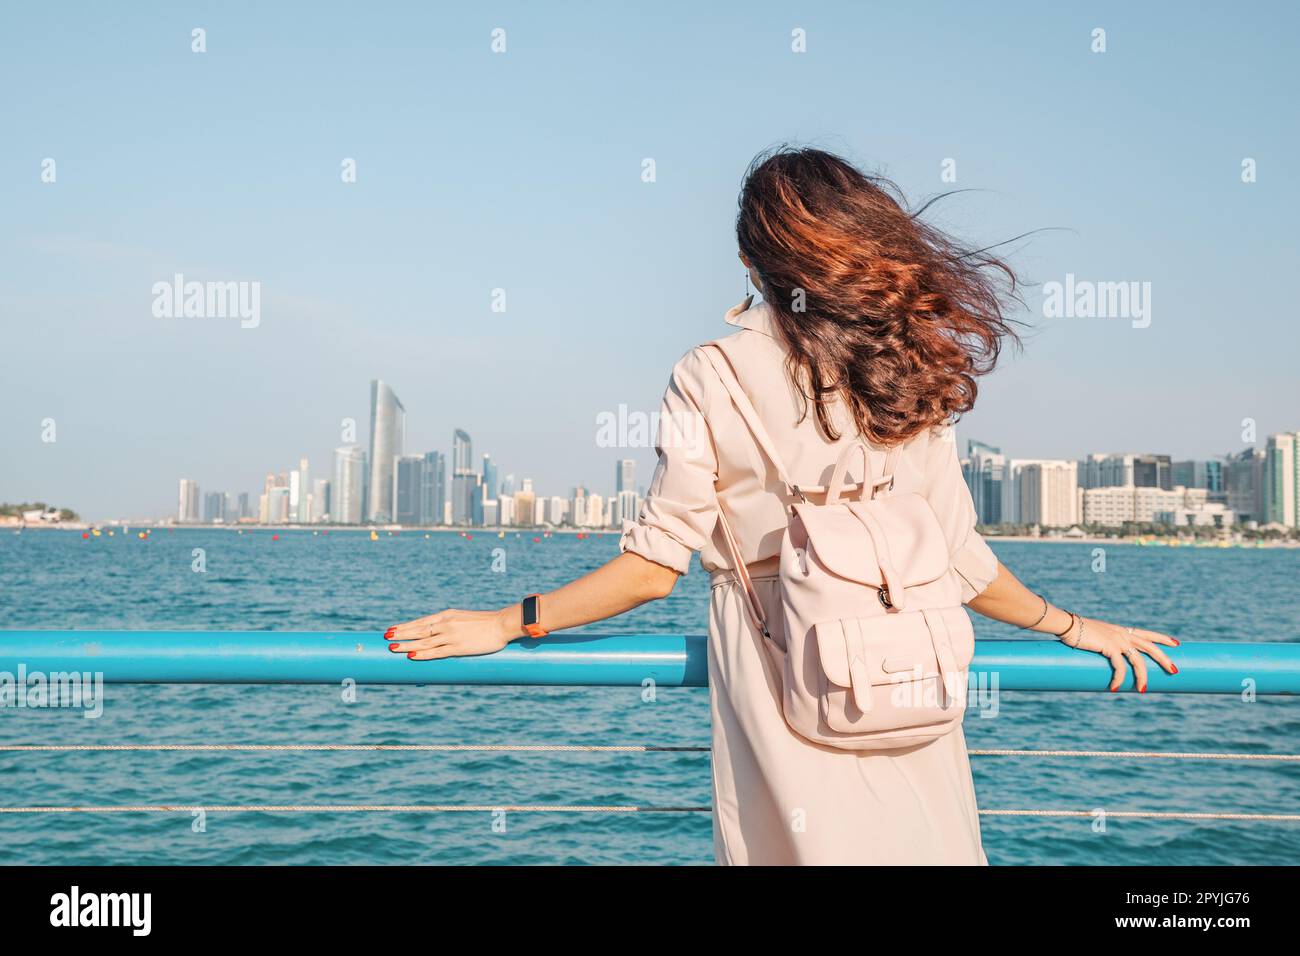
[(1123, 646)]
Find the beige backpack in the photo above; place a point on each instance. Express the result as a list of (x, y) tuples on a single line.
[(877, 643)]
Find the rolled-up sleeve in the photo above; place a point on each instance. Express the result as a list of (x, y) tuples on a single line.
[(945, 488), (681, 506)]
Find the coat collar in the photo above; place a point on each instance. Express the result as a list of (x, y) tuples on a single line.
[(756, 318)]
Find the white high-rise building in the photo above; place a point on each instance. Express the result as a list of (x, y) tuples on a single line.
[(557, 510), (1048, 493), (296, 491), (187, 509), (347, 488), (627, 503), (320, 500), (625, 476), (595, 512), (387, 440)]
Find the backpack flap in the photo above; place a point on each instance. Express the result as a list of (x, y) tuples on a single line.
[(914, 547)]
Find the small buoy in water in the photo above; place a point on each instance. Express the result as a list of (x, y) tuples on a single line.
[(426, 536), (275, 537), (469, 537), (143, 535), (537, 540), (85, 536), (110, 534), (374, 536), (95, 532)]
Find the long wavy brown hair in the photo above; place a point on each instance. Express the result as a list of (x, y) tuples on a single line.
[(877, 308)]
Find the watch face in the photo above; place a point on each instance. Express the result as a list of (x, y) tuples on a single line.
[(530, 610)]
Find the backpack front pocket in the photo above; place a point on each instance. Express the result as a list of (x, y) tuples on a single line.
[(894, 671)]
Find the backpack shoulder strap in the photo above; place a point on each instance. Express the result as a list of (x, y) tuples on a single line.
[(721, 363), (727, 374)]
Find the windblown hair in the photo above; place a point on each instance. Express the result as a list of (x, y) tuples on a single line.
[(876, 307)]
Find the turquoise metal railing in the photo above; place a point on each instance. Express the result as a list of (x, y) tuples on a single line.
[(327, 657)]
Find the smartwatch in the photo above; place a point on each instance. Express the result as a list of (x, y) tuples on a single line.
[(532, 606)]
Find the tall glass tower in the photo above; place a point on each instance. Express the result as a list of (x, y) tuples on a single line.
[(387, 438), (464, 480), (433, 489), (349, 478)]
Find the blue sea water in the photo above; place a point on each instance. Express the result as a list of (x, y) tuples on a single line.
[(346, 581)]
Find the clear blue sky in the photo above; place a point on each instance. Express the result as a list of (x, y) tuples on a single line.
[(523, 171)]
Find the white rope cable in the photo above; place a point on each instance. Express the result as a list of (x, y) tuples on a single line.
[(1140, 814), (357, 808), (1133, 754), (587, 748), (434, 748)]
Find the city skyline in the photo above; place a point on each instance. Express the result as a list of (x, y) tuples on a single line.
[(382, 484), (1253, 485)]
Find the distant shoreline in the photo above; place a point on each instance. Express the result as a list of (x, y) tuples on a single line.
[(315, 528), (1152, 541)]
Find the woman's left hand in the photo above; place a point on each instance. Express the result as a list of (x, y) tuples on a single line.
[(453, 633)]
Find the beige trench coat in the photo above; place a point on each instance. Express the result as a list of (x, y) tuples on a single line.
[(777, 798)]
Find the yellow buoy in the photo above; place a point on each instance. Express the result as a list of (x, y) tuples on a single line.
[(374, 536)]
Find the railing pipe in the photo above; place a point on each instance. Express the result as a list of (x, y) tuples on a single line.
[(669, 660)]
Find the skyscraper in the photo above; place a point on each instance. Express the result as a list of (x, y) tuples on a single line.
[(320, 505), (433, 487), (346, 491), (984, 472), (625, 476), (464, 480), (387, 438), (408, 490), (525, 504), (1282, 479), (187, 508), (1244, 480), (489, 477), (1048, 493), (304, 489), (277, 505), (213, 503), (297, 492)]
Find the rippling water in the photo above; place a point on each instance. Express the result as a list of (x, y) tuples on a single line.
[(341, 581)]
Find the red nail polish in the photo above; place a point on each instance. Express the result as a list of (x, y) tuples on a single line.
[(1177, 642), (389, 633), (393, 647), (1175, 668), (1114, 690), (411, 656), (1142, 689)]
